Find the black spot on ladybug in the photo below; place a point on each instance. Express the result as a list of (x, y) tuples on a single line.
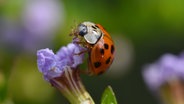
[(102, 51), (108, 60), (95, 30), (94, 27), (112, 49), (106, 46), (97, 64)]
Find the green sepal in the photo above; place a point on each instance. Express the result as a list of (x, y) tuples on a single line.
[(108, 96)]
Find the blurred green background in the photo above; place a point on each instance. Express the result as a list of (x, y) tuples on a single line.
[(142, 30)]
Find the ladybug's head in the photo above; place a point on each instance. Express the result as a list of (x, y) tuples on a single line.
[(90, 32), (82, 30)]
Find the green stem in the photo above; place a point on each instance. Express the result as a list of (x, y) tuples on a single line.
[(70, 85), (173, 92)]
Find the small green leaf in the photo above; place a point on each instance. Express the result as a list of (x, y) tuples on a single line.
[(108, 96)]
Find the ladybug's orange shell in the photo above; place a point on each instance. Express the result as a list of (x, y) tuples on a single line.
[(101, 55)]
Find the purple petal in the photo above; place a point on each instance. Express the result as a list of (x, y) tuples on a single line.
[(70, 54), (46, 60), (152, 76), (167, 68), (48, 64), (78, 58)]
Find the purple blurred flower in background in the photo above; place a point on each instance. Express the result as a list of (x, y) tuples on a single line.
[(42, 16), (169, 67), (38, 23), (61, 70)]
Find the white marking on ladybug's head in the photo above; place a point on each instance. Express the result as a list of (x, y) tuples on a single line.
[(90, 32)]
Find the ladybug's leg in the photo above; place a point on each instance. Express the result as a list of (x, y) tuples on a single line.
[(81, 52), (84, 44), (73, 33), (78, 42), (85, 71), (89, 70)]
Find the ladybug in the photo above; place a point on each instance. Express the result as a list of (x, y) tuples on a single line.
[(99, 45)]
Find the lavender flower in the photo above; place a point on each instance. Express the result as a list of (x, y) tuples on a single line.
[(166, 77), (61, 70), (42, 16), (35, 29), (169, 67), (52, 65)]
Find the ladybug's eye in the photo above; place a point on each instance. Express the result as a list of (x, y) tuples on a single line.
[(82, 29)]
